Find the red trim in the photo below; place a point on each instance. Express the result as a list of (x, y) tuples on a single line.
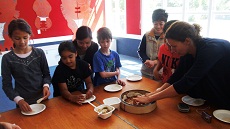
[(133, 17)]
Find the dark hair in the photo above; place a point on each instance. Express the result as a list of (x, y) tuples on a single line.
[(104, 33), (159, 15), (83, 32), (181, 30), (66, 45), (168, 24), (19, 24)]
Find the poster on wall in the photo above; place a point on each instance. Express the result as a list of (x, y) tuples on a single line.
[(49, 18)]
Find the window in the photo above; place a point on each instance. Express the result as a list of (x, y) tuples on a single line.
[(212, 15), (116, 13)]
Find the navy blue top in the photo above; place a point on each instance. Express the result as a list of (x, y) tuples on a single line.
[(207, 75)]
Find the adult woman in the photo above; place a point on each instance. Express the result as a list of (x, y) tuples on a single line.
[(86, 48), (203, 71), (151, 42)]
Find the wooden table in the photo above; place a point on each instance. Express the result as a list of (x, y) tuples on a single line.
[(61, 114)]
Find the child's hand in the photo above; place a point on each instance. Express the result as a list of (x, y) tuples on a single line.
[(77, 99), (46, 92), (150, 63), (121, 83), (89, 94), (24, 106)]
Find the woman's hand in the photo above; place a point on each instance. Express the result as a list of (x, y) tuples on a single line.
[(77, 98), (142, 99), (24, 106)]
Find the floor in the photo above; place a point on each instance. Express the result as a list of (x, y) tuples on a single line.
[(130, 65)]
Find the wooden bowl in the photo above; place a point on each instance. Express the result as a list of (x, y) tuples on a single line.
[(136, 109)]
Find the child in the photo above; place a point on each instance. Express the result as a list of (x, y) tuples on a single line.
[(70, 75), (106, 62), (27, 65), (167, 59), (86, 48), (151, 42)]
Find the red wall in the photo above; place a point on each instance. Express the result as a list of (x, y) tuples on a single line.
[(133, 17), (56, 23)]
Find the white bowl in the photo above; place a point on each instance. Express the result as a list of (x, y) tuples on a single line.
[(113, 101), (104, 115)]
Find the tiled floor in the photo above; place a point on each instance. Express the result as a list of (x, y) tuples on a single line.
[(130, 65)]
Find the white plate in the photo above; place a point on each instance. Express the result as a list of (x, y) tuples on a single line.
[(113, 87), (222, 115), (134, 77), (192, 101), (36, 108), (90, 99)]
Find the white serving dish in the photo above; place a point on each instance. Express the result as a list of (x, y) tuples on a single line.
[(104, 115), (113, 101)]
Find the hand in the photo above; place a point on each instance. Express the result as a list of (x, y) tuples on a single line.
[(77, 98), (142, 99), (46, 92), (121, 82), (150, 63), (7, 125), (89, 93), (90, 67), (24, 106)]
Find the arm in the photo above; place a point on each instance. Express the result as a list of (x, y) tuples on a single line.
[(142, 50), (46, 75), (99, 67), (89, 86), (164, 86), (165, 93), (79, 98), (156, 70), (201, 66), (7, 86), (120, 82), (108, 74)]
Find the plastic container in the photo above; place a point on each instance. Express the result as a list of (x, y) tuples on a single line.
[(113, 101), (104, 115)]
